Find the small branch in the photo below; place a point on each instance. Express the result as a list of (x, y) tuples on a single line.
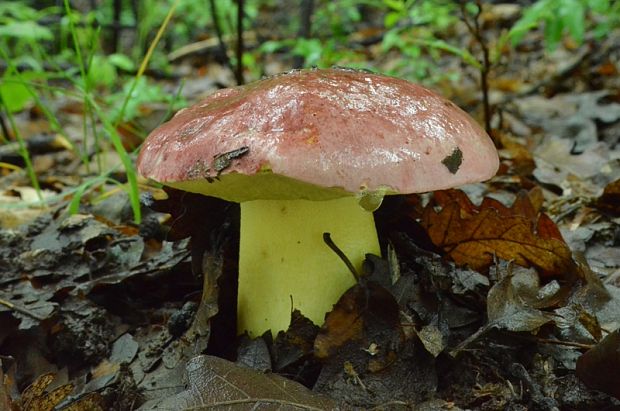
[(116, 21), (305, 27), (476, 31), (240, 46), (21, 310), (5, 130), (564, 343), (327, 238), (220, 36)]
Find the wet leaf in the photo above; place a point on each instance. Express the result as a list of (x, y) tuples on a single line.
[(598, 367), (474, 235), (511, 306), (28, 304), (215, 383), (367, 313), (507, 309)]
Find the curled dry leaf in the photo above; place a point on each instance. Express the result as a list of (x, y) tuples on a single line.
[(473, 235)]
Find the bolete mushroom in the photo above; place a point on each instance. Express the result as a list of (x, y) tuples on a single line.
[(308, 152)]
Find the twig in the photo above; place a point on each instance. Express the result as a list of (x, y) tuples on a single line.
[(21, 310), (220, 36), (116, 21), (211, 46), (476, 31), (305, 27), (327, 239), (5, 130), (240, 14), (564, 343)]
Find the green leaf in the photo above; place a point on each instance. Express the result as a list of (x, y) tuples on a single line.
[(465, 55), (74, 205), (599, 6), (392, 39), (396, 5), (572, 14), (122, 61), (16, 94), (553, 33), (101, 72), (391, 19), (26, 30), (532, 17), (272, 46), (310, 49)]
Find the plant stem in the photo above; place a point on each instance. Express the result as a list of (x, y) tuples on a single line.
[(116, 21), (145, 60), (23, 151), (476, 31), (305, 27), (239, 68), (6, 136), (220, 37)]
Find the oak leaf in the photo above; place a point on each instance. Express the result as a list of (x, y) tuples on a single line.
[(473, 235)]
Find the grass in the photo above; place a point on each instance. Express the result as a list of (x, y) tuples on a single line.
[(94, 118)]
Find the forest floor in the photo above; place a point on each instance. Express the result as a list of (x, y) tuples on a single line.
[(511, 305)]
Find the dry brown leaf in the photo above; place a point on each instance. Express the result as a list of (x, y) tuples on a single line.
[(610, 200), (217, 384), (363, 313), (473, 238), (36, 398), (516, 156)]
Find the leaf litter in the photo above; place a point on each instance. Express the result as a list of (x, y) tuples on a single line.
[(506, 297)]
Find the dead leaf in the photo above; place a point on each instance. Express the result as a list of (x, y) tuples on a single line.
[(598, 367), (367, 312), (609, 201), (295, 344), (516, 154), (215, 383), (555, 161), (510, 307), (508, 310), (27, 303), (36, 398), (432, 339), (473, 236)]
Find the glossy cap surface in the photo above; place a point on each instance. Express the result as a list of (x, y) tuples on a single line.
[(351, 131)]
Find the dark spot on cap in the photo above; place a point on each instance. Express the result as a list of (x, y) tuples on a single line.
[(453, 161)]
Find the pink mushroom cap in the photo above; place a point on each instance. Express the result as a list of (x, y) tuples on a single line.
[(346, 130)]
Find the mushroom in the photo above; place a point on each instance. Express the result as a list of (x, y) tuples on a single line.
[(307, 152)]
